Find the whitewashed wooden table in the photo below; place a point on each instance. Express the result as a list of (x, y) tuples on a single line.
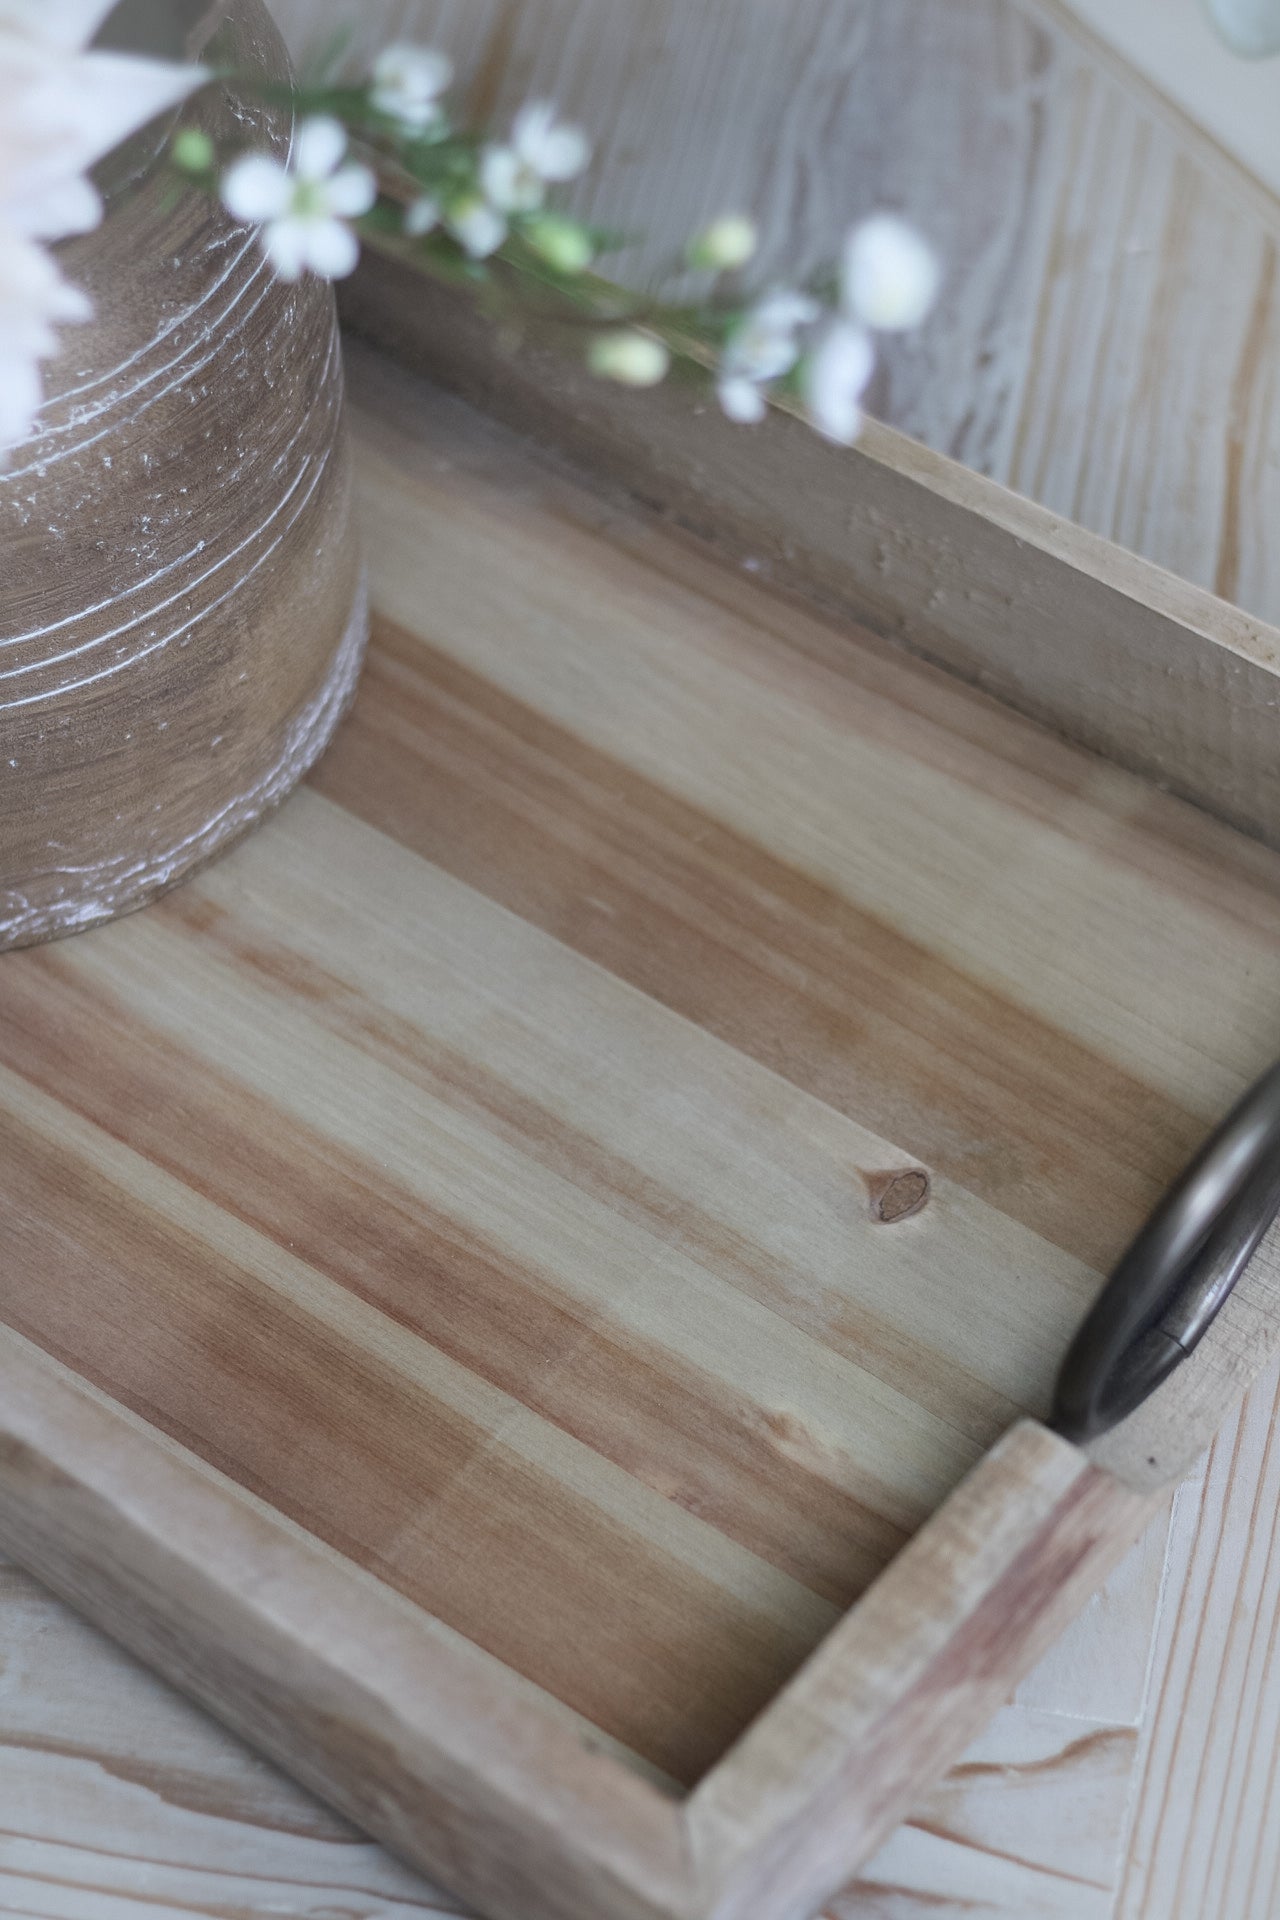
[(1110, 344)]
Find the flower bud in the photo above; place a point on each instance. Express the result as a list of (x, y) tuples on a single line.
[(727, 243), (562, 243), (636, 359), (193, 150)]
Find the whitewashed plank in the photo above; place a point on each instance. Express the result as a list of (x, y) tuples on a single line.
[(1174, 44), (1205, 1838), (116, 1795), (1029, 1827)]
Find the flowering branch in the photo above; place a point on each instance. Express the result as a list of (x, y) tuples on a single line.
[(384, 160)]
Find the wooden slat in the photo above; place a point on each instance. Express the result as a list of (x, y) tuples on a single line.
[(1203, 1837), (494, 1520), (317, 1664), (750, 729), (1132, 662), (781, 966), (117, 1791), (1030, 1823), (791, 1811)]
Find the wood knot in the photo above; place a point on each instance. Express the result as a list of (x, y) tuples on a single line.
[(898, 1194)]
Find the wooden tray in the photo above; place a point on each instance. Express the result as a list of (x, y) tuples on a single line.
[(530, 1287)]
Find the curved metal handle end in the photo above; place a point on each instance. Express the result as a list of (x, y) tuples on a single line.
[(1176, 1276)]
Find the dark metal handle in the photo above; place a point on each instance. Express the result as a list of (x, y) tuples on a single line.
[(1174, 1278)]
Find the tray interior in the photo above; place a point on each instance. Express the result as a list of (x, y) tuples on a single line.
[(503, 1163)]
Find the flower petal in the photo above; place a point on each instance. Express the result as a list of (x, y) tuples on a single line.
[(753, 352), (478, 227), (318, 146), (332, 249), (422, 216), (65, 24), (256, 188), (352, 190), (835, 378), (889, 275), (530, 127), (64, 206), (422, 71), (549, 148), (21, 392), (407, 83), (783, 309), (285, 244), (566, 151), (33, 295), (62, 114), (508, 181), (741, 399)]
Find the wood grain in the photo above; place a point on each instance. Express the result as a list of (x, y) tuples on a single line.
[(807, 1010), (323, 1201), (1104, 343), (1062, 289), (314, 1663), (783, 1821), (118, 1792), (1203, 1836)]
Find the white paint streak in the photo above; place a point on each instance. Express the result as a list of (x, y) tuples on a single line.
[(100, 893)]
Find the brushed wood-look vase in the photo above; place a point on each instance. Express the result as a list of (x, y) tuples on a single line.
[(181, 608)]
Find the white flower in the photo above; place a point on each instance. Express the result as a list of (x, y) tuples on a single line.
[(762, 347), (476, 225), (542, 150), (407, 84), (633, 358), (304, 208), (63, 108), (727, 243), (835, 379), (34, 297), (888, 275)]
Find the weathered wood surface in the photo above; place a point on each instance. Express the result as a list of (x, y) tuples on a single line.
[(831, 1766), (1108, 336), (1176, 46), (113, 1793), (116, 1791), (337, 1128), (1144, 666)]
